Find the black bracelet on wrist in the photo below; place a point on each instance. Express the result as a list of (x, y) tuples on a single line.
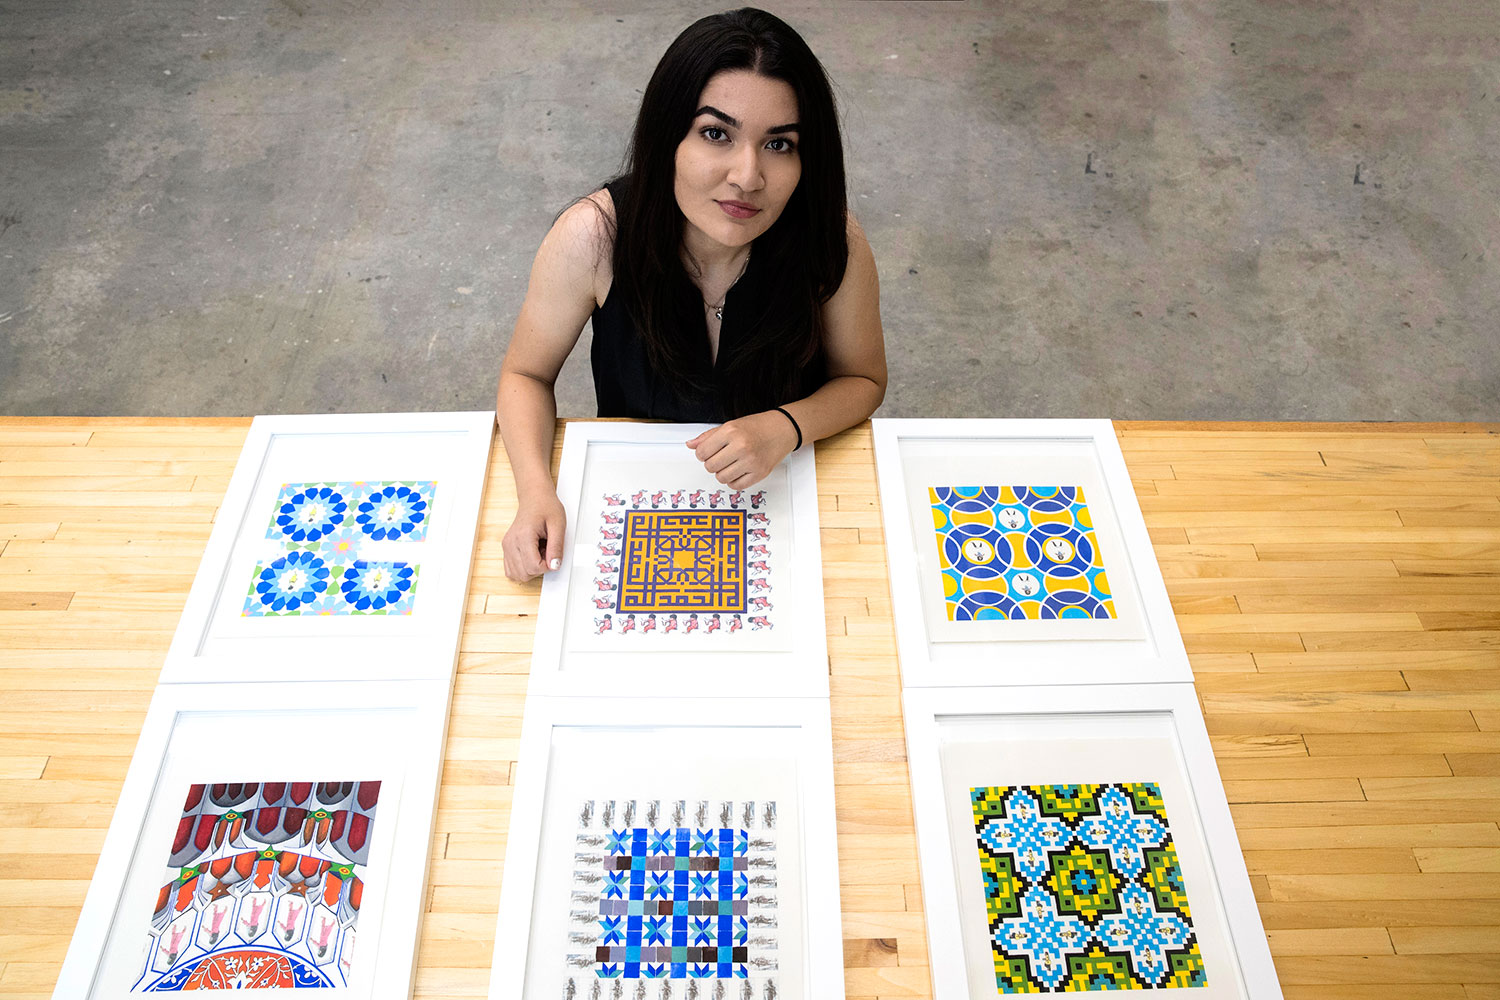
[(795, 426)]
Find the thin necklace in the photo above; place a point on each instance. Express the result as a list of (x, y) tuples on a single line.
[(718, 310)]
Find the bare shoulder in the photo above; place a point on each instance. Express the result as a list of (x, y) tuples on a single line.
[(855, 340), (861, 264), (856, 231), (581, 241), (590, 220)]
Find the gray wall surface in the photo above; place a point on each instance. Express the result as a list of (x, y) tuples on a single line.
[(1271, 209)]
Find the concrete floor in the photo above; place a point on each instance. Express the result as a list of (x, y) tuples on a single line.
[(1275, 209)]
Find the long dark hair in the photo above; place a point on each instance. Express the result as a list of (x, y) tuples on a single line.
[(803, 254)]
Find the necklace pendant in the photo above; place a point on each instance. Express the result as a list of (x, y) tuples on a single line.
[(719, 314)]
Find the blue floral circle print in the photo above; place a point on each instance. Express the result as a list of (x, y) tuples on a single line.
[(311, 513), (295, 579), (371, 586), (392, 512)]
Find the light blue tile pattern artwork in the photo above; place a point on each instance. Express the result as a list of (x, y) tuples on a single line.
[(322, 528)]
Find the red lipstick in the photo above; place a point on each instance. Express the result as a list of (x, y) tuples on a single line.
[(738, 209)]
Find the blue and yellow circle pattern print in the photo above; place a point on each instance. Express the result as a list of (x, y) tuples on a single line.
[(1019, 553)]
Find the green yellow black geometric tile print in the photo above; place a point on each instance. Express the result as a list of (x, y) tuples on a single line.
[(1019, 553), (1083, 889)]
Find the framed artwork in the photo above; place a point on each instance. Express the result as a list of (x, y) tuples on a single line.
[(341, 551), (231, 863), (1075, 839), (672, 583), (700, 861), (1018, 555)]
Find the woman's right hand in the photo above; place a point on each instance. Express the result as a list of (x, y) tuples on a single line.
[(534, 543)]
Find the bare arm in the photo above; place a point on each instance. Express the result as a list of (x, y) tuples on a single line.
[(743, 451), (855, 345), (559, 299)]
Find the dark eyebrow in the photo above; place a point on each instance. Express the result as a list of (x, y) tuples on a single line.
[(709, 109), (733, 122)]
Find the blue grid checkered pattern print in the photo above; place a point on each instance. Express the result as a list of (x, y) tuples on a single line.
[(685, 893), (670, 903)]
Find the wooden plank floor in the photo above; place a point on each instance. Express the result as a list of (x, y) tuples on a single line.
[(1338, 588)]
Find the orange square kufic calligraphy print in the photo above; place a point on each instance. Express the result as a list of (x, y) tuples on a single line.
[(683, 561)]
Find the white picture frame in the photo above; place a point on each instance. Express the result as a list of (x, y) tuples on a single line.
[(755, 750), (387, 731), (1136, 641), (1018, 736), (224, 634), (647, 468)]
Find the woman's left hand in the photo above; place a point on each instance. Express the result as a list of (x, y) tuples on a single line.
[(742, 452)]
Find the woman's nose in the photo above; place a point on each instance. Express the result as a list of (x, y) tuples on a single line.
[(745, 172)]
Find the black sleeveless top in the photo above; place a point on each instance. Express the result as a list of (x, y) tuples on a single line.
[(625, 384)]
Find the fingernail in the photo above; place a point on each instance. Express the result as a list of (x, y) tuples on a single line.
[(556, 563)]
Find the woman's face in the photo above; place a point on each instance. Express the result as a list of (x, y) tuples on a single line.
[(738, 165)]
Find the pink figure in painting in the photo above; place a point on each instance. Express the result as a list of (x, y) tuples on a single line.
[(614, 500), (325, 930), (736, 497), (759, 622), (760, 604), (759, 519), (604, 584), (658, 498), (603, 602), (695, 498), (289, 925), (257, 907), (691, 625), (611, 533), (713, 624), (216, 924), (637, 498), (677, 498), (760, 551), (760, 534), (606, 549), (756, 499), (172, 948), (612, 518), (603, 625), (758, 583), (628, 624), (669, 624), (761, 567), (735, 624), (649, 625), (716, 498)]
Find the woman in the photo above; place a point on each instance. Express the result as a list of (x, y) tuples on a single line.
[(726, 280)]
